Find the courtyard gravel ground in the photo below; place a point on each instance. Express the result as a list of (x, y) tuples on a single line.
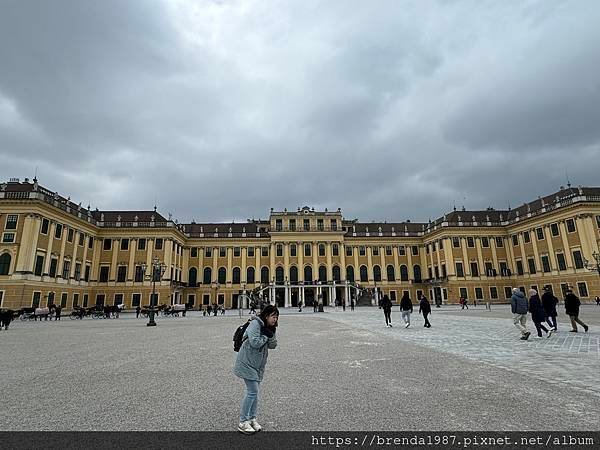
[(331, 371)]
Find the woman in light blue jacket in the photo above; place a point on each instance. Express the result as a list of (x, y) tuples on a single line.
[(250, 364)]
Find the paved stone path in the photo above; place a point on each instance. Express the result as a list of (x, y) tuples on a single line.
[(331, 371), (571, 358)]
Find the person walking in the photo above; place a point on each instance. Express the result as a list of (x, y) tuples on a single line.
[(538, 314), (386, 305), (57, 312), (463, 301), (406, 308), (300, 306), (519, 308), (137, 311), (597, 301), (352, 304), (572, 304), (250, 363), (425, 309), (549, 302)]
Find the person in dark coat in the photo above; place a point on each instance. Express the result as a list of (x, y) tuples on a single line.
[(6, 317), (538, 314), (386, 305), (519, 307), (425, 309), (572, 309), (57, 312), (137, 311), (406, 307), (549, 302)]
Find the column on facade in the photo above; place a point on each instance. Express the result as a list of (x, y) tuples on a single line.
[(586, 248), (149, 252), (369, 263), (431, 262), (215, 268), (356, 265), (74, 258), (536, 253), (185, 266), (49, 247), (86, 243), (439, 259), (115, 253), (131, 265), (168, 246), (409, 261), (257, 268), (27, 250), (588, 225), (479, 256), (551, 255), (329, 260), (96, 258), (466, 260), (510, 253), (343, 270), (272, 262), (244, 268), (565, 241), (523, 255), (63, 247), (449, 257), (383, 264), (229, 278), (287, 302), (286, 260), (315, 258), (495, 262)]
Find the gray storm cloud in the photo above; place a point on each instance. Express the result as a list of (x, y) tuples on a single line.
[(222, 110)]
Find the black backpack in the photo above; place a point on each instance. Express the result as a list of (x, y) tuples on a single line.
[(238, 336)]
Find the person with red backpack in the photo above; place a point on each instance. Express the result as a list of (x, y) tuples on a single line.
[(251, 360)]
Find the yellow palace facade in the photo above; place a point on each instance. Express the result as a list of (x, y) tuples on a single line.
[(55, 251)]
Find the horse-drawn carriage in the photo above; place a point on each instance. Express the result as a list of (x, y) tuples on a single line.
[(35, 313)]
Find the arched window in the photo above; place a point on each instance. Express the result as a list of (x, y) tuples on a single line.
[(193, 277), (308, 278), (279, 274), (391, 273), (250, 275), (207, 278), (293, 274), (264, 275), (403, 273), (4, 264), (376, 273), (417, 272), (363, 274), (237, 274), (350, 274), (222, 275), (322, 273), (336, 273)]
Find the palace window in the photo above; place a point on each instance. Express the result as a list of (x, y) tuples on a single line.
[(554, 229), (124, 244), (455, 242), (545, 263), (307, 250), (306, 224), (222, 252), (388, 250), (194, 252), (45, 225), (70, 235), (66, 269), (5, 263), (515, 240), (292, 224), (279, 249), (278, 225), (578, 259), (333, 225), (526, 237), (376, 273), (121, 274), (539, 233), (470, 242), (264, 251), (107, 244), (321, 249), (250, 252), (499, 242), (460, 272), (208, 252), (474, 269), (81, 239), (562, 264), (570, 225), (103, 274), (479, 293), (236, 252), (401, 250), (158, 244), (11, 222), (362, 251), (8, 237), (335, 249), (375, 250), (53, 266), (139, 274), (39, 265), (91, 243), (320, 224), (58, 231), (485, 242), (293, 250), (493, 292), (531, 264), (520, 267), (507, 292), (415, 250), (583, 291)]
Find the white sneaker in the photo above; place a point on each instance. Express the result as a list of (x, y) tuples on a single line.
[(407, 325), (255, 425), (246, 428), (550, 332)]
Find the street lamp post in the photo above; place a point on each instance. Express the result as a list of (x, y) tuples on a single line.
[(158, 269)]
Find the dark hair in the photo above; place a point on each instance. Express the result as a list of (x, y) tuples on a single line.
[(267, 311)]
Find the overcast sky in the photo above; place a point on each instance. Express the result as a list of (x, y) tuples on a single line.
[(221, 110)]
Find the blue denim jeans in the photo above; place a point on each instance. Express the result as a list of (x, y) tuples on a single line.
[(250, 401)]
